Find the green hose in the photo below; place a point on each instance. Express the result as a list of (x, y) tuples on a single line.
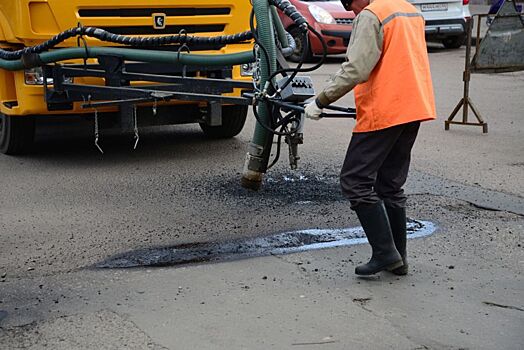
[(281, 31), (135, 55), (267, 39), (260, 147)]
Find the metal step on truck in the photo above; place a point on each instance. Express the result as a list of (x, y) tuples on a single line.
[(152, 83)]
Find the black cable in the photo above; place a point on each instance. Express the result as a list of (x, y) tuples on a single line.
[(277, 154), (284, 130), (291, 11), (272, 129), (257, 117), (310, 69), (138, 41), (297, 68)]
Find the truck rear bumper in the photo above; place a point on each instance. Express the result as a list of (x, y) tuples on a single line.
[(443, 28)]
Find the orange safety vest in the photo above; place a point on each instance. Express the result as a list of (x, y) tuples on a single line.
[(399, 89)]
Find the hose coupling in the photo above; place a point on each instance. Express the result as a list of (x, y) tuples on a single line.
[(254, 168)]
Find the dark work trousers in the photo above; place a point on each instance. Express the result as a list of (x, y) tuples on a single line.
[(376, 165)]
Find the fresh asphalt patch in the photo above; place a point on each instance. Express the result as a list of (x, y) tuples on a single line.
[(277, 244)]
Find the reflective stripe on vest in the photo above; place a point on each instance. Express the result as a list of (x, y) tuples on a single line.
[(399, 89)]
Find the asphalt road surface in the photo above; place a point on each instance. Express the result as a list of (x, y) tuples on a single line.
[(66, 209)]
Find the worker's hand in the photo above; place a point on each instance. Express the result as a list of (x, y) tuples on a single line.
[(312, 111)]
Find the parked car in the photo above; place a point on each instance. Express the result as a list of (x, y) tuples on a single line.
[(445, 20), (329, 18)]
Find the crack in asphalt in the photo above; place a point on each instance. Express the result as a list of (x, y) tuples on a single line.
[(482, 198), (489, 303)]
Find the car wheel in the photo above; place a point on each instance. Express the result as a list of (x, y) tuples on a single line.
[(233, 120), (300, 46), (16, 134), (454, 42)]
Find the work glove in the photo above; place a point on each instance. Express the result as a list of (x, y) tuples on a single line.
[(312, 111)]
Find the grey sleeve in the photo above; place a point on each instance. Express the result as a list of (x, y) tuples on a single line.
[(364, 51)]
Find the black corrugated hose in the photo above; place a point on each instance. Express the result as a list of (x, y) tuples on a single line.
[(138, 41)]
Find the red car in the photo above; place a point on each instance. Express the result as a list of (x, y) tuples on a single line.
[(329, 18)]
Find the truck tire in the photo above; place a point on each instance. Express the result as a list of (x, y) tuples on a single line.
[(454, 42), (233, 120), (16, 134)]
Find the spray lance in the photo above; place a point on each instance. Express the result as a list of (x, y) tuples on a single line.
[(297, 138), (296, 110)]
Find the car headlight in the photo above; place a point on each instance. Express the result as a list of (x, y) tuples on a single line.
[(35, 76), (321, 15)]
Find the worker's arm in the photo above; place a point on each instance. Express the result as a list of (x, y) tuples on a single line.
[(364, 51)]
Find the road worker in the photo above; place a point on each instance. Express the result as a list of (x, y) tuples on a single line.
[(387, 66)]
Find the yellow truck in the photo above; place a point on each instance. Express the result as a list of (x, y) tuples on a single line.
[(132, 63), (75, 87)]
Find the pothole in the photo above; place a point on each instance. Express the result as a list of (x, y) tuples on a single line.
[(278, 244), (303, 187)]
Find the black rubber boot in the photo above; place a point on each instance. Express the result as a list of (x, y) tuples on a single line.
[(375, 223), (397, 222)]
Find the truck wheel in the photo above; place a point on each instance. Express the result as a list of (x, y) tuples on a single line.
[(233, 120), (299, 40), (454, 42), (16, 134)]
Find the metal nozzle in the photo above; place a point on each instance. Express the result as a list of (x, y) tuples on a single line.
[(253, 168)]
